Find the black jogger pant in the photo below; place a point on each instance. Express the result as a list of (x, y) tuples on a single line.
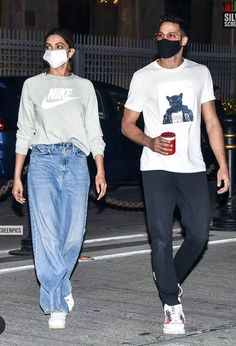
[(163, 191)]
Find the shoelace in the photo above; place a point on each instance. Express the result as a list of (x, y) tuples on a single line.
[(171, 315)]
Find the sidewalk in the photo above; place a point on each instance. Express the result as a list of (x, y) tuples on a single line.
[(116, 303), (116, 299)]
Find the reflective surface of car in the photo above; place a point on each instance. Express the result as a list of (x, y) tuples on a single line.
[(121, 155), (10, 91)]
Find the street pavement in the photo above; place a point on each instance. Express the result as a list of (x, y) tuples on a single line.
[(116, 301)]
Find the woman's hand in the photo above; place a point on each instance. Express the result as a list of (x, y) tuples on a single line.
[(17, 191), (100, 180), (101, 185)]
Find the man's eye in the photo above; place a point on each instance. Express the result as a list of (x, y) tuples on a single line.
[(159, 36)]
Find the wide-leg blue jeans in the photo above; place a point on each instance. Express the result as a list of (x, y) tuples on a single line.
[(58, 185)]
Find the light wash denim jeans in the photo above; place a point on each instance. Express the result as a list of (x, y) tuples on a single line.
[(58, 185)]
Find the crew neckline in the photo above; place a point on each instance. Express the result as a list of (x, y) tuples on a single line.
[(170, 69), (49, 75)]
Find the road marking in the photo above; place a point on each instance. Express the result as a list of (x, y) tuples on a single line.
[(222, 241), (16, 269), (97, 240), (121, 237), (117, 255), (141, 252)]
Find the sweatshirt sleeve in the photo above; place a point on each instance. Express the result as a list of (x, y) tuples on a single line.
[(92, 124), (25, 122)]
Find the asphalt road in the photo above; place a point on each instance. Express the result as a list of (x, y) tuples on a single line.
[(116, 299)]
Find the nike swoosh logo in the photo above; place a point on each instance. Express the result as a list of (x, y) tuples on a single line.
[(51, 104)]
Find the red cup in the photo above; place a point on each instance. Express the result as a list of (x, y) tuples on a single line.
[(170, 136)]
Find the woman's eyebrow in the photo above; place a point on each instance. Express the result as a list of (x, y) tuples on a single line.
[(62, 43), (50, 44)]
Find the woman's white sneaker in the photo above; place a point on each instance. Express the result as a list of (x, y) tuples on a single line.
[(174, 319), (70, 302), (57, 320)]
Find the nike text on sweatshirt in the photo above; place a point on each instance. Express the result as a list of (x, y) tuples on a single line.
[(59, 109)]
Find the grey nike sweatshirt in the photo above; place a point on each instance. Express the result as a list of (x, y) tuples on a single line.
[(59, 109)]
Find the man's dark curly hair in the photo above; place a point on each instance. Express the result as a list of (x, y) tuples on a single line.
[(177, 20)]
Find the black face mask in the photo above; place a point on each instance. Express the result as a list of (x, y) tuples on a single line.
[(167, 48)]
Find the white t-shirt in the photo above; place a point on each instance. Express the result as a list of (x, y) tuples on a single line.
[(170, 100)]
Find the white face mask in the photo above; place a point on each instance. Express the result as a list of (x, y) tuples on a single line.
[(55, 58)]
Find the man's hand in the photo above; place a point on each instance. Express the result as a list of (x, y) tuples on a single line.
[(223, 180), (216, 139), (160, 145)]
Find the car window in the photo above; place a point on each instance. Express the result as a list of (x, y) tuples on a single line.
[(101, 112), (118, 101)]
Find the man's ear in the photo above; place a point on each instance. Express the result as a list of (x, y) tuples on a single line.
[(71, 53), (184, 41)]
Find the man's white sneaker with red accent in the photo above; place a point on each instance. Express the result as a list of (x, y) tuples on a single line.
[(174, 319)]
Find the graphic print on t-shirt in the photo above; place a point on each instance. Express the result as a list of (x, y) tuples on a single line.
[(177, 112), (57, 97)]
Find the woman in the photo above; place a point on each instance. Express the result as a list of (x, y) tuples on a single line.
[(58, 119)]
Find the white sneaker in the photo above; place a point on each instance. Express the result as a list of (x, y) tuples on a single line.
[(174, 319), (57, 320), (70, 302)]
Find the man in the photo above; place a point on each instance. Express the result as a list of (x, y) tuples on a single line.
[(171, 92)]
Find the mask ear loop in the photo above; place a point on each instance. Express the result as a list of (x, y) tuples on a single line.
[(68, 53), (69, 61)]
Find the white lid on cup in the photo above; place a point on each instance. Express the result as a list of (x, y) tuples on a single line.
[(168, 135)]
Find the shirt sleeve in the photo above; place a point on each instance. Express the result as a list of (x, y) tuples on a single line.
[(25, 124), (207, 93), (92, 124), (135, 99)]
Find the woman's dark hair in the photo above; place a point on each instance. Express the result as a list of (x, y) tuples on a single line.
[(65, 34), (176, 20), (68, 38)]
